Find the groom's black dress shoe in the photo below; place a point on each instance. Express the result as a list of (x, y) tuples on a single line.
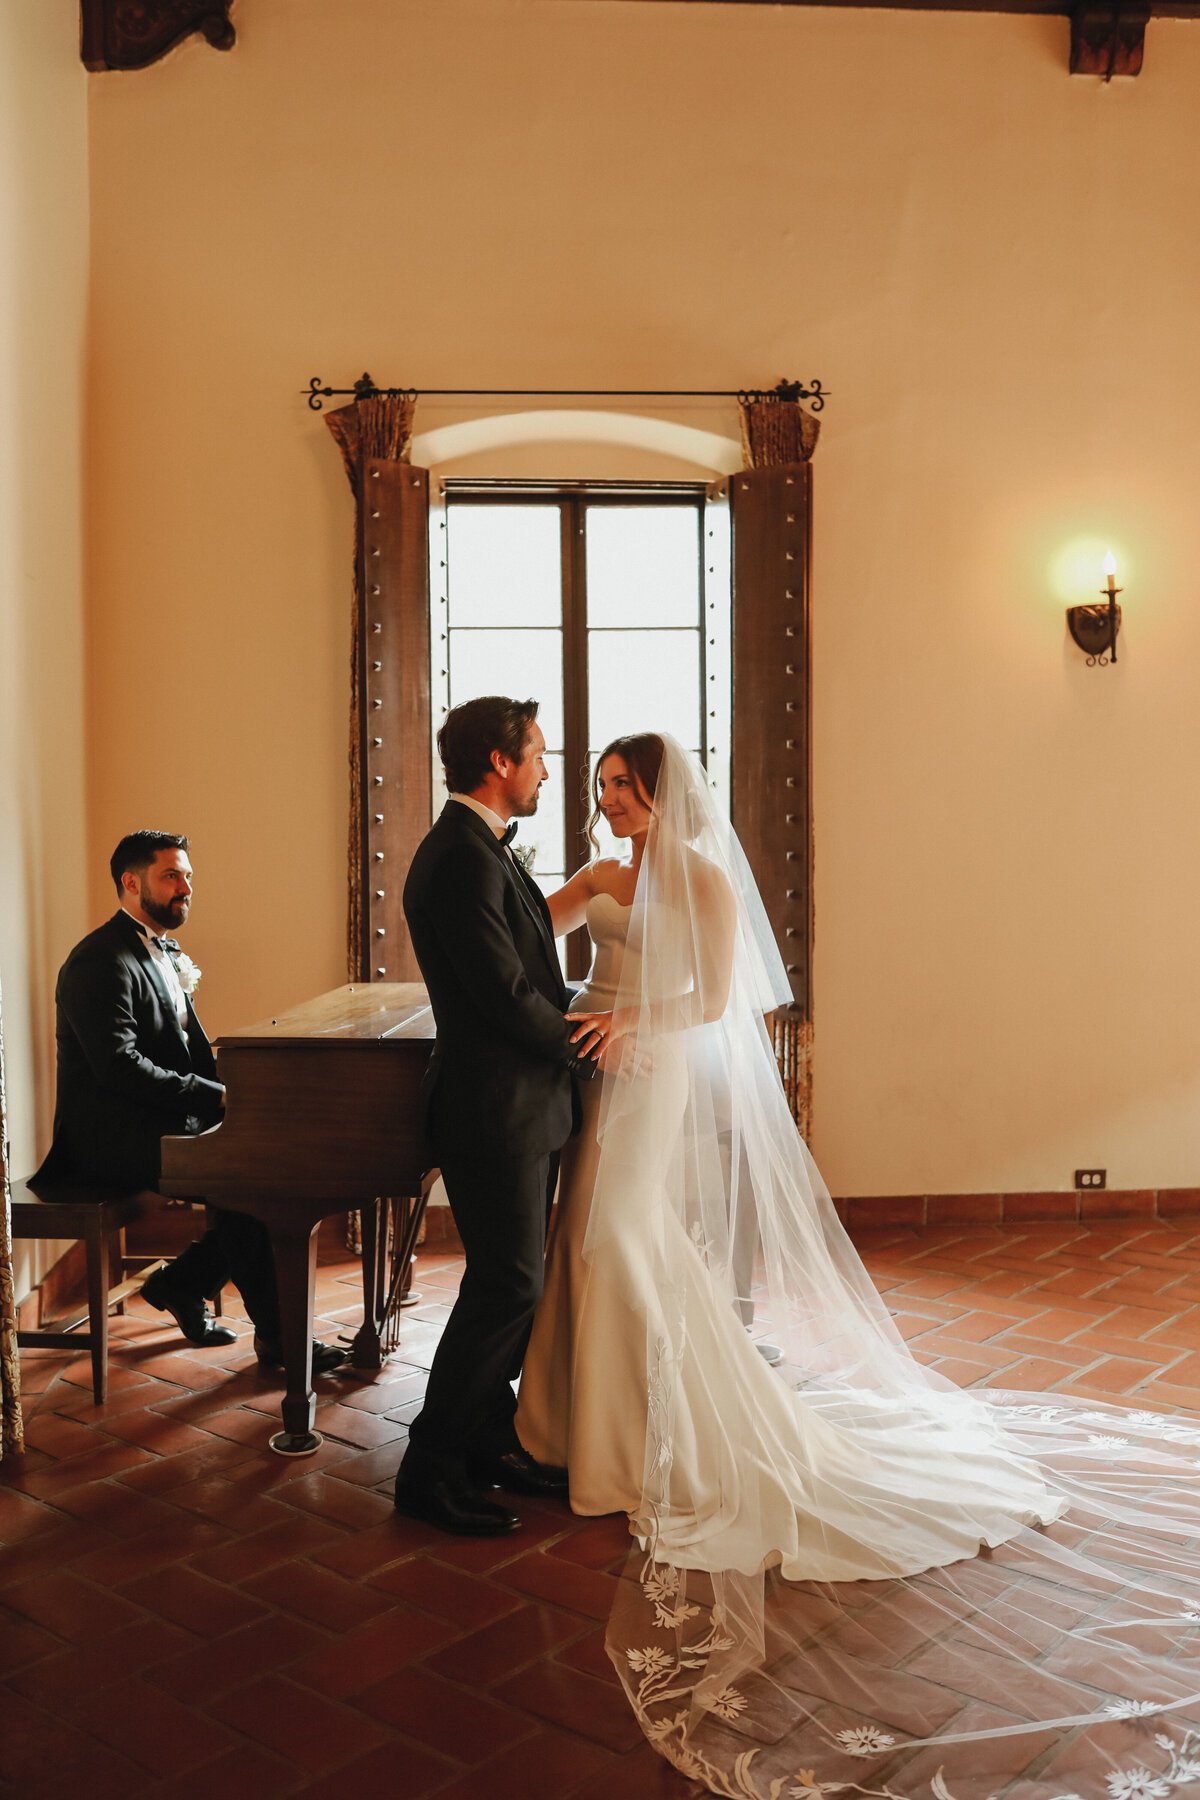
[(517, 1471), (189, 1313), (452, 1504)]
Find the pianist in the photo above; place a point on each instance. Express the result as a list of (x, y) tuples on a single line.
[(134, 1066)]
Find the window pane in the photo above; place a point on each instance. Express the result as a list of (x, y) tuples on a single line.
[(643, 681), (643, 565), (504, 565), (543, 833), (516, 663)]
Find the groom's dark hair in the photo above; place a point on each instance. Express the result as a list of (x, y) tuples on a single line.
[(138, 850), (471, 732)]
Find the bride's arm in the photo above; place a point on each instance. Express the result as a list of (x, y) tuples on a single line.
[(715, 935), (568, 908), (713, 932), (708, 943)]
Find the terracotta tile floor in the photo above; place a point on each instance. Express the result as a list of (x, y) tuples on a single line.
[(184, 1614)]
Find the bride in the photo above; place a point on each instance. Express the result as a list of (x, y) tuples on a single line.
[(848, 1574)]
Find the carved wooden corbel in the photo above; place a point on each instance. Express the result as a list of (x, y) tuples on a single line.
[(132, 34), (1108, 39)]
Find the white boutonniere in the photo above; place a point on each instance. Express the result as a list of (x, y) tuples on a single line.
[(526, 855), (187, 971)]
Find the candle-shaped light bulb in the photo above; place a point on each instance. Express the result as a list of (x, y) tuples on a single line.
[(1110, 571)]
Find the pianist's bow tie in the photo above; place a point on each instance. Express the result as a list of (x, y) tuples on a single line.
[(510, 832)]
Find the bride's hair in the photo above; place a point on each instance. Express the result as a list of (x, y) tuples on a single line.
[(642, 754)]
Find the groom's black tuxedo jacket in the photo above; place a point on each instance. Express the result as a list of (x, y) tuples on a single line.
[(128, 1075), (499, 1080)]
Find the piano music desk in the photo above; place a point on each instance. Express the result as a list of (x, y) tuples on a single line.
[(321, 1115)]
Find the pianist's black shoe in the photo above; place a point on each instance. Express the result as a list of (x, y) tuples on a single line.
[(190, 1313), (517, 1471), (325, 1357), (452, 1504)]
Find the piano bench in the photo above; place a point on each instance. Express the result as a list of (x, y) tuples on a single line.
[(96, 1215)]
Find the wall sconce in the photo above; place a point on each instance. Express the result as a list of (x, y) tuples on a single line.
[(1095, 628)]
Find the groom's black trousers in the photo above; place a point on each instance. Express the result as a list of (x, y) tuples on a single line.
[(501, 1206)]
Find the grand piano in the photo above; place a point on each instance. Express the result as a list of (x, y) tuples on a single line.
[(320, 1116)]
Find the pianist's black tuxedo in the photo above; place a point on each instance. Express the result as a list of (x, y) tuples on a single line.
[(498, 1102), (128, 1076)]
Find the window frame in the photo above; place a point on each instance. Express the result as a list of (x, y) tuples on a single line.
[(573, 499)]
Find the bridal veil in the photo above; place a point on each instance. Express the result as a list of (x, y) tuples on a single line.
[(850, 1577)]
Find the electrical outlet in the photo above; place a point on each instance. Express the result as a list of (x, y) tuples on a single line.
[(1091, 1178)]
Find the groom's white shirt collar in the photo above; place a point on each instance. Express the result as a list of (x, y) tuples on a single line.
[(491, 819)]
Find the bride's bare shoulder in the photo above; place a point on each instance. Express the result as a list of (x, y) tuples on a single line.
[(593, 878), (712, 891), (705, 873), (605, 874)]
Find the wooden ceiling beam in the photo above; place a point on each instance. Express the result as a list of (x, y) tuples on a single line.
[(1108, 37), (1108, 40), (1063, 9), (132, 34)]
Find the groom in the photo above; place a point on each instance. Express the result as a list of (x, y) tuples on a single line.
[(499, 1103)]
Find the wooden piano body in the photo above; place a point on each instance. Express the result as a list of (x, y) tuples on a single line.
[(321, 1115)]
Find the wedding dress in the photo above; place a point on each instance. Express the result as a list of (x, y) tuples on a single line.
[(849, 1576), (835, 1507)]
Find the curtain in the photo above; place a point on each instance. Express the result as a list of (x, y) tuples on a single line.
[(775, 432), (12, 1436), (771, 506)]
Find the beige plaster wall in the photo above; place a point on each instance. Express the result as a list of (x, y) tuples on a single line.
[(991, 265), (44, 865)]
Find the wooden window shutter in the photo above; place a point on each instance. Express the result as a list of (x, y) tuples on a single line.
[(771, 777), (394, 715), (390, 786)]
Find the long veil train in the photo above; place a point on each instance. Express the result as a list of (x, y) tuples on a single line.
[(851, 1577)]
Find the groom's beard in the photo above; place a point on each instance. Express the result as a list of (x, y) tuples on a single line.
[(525, 809), (167, 915)]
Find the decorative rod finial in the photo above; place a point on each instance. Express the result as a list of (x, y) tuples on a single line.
[(789, 392)]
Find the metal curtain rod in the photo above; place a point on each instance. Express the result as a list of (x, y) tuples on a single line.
[(365, 389)]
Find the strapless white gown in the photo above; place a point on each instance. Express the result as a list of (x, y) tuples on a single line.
[(866, 1490)]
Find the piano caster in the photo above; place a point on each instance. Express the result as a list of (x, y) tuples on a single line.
[(296, 1443)]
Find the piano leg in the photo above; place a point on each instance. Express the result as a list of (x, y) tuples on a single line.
[(366, 1352), (295, 1272)]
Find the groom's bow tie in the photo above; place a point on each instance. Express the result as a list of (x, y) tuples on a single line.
[(510, 832), (169, 946)]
